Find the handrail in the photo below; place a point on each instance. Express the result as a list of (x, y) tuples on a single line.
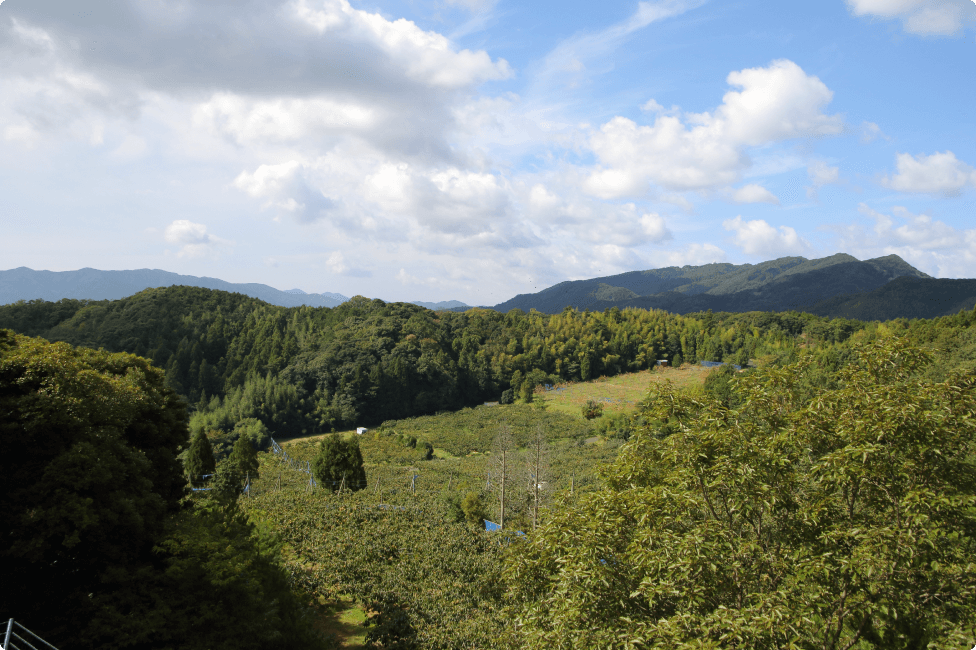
[(11, 636)]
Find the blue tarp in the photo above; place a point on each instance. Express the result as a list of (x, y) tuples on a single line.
[(716, 364), (492, 527)]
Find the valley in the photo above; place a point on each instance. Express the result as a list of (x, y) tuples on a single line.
[(563, 428)]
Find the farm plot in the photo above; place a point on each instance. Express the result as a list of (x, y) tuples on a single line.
[(620, 394)]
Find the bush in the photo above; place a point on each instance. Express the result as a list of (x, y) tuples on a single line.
[(592, 410), (474, 509)]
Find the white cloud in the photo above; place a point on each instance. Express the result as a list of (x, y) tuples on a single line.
[(337, 262), (754, 193), (651, 106), (285, 187), (131, 148), (193, 238), (757, 237), (427, 57), (249, 120), (380, 132), (871, 132), (312, 73), (820, 174), (594, 221), (939, 173), (925, 17), (405, 278), (473, 5), (928, 244), (776, 103), (45, 94), (450, 201)]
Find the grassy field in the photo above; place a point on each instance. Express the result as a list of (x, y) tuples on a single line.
[(342, 620), (470, 431), (619, 394)]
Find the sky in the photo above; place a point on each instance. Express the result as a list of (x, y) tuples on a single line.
[(476, 149)]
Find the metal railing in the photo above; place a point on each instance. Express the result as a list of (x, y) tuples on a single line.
[(301, 466), (18, 637)]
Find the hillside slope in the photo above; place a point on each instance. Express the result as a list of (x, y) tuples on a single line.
[(904, 297), (777, 285)]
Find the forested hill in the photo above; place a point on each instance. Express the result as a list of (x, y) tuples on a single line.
[(788, 283), (92, 284), (305, 369), (904, 297), (300, 369)]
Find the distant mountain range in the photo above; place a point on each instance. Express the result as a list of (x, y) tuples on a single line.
[(91, 284), (444, 305), (840, 285)]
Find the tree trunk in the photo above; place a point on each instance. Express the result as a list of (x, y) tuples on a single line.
[(501, 521)]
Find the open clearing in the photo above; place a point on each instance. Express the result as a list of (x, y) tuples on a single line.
[(343, 620), (621, 393)]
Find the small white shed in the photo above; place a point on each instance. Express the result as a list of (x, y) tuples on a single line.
[(361, 430)]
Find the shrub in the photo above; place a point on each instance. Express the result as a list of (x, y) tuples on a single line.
[(592, 410)]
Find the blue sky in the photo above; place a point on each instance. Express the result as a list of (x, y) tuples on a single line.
[(473, 150)]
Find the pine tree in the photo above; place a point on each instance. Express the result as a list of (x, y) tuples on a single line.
[(339, 464), (199, 458), (245, 457)]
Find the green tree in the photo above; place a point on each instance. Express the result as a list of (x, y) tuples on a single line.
[(228, 481), (199, 460), (474, 509), (718, 384), (98, 537), (89, 473), (245, 457), (339, 463), (846, 520), (255, 430)]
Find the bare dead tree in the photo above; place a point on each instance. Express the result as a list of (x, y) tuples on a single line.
[(538, 461), (503, 451)]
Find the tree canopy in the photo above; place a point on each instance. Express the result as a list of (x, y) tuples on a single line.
[(100, 547), (90, 473), (339, 464), (845, 520)]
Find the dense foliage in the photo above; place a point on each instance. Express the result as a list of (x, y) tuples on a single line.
[(198, 461), (843, 520), (99, 546), (339, 464), (426, 581), (89, 470)]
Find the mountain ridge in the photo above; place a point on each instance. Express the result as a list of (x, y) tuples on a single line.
[(23, 283), (781, 284)]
